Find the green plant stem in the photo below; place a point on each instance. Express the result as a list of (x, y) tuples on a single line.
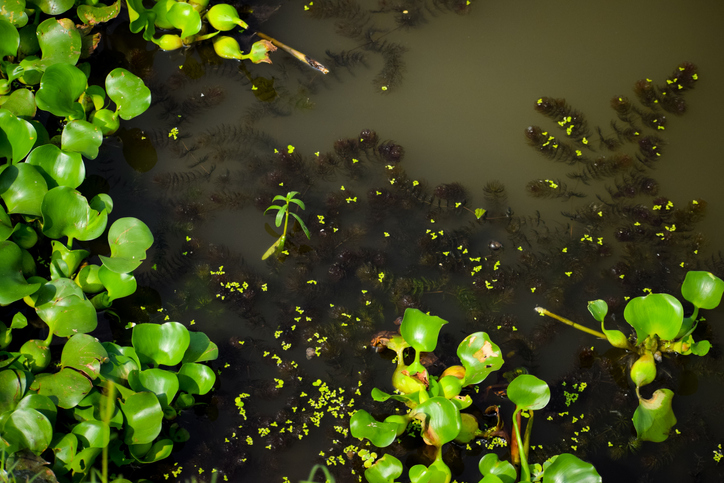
[(528, 430), (692, 317), (525, 471), (598, 334)]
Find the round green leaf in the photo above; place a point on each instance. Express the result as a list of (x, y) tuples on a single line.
[(37, 355), (200, 348), (82, 137), (6, 225), (42, 404), (148, 453), (54, 7), (567, 468), (9, 38), (163, 384), (23, 189), (119, 285), (129, 238), (21, 103), (106, 120), (384, 470), (121, 362), (196, 378), (89, 280), (161, 10), (128, 91), (91, 15), (703, 289), (28, 40), (14, 12), (59, 168), (184, 17), (491, 465), (66, 212), (65, 447), (598, 309), (656, 313), (420, 330), (59, 41), (441, 421), (93, 434), (85, 354), (60, 87), (143, 418), (528, 392), (63, 306), (160, 343), (654, 418), (71, 259), (480, 356), (28, 428), (65, 388), (17, 136), (13, 285), (363, 425), (13, 385)]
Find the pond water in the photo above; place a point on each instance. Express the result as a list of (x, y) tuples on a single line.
[(449, 90)]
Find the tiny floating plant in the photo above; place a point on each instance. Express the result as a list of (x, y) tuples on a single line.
[(661, 327), (283, 212)]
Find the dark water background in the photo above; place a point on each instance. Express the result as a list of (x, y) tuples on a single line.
[(461, 93)]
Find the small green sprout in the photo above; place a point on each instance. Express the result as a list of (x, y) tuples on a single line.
[(283, 212)]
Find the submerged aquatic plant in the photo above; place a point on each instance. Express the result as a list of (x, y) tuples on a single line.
[(660, 328), (283, 212)]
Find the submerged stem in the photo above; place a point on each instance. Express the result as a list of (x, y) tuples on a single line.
[(525, 471), (598, 334)]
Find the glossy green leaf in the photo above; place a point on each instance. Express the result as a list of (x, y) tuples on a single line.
[(384, 470), (421, 330), (37, 355), (149, 453), (703, 289), (28, 40), (6, 225), (25, 237), (410, 399), (185, 18), (65, 388), (227, 47), (89, 280), (160, 344), (84, 459), (60, 87), (59, 41), (643, 371), (93, 434), (598, 309), (654, 418), (143, 418), (65, 447), (17, 136), (128, 92), (121, 362), (54, 7), (27, 428), (480, 356), (106, 120), (13, 385), (164, 384), (528, 392), (58, 168), (21, 102), (23, 189), (119, 285), (567, 468), (85, 354), (196, 378), (161, 10), (14, 12), (490, 465), (129, 238), (93, 15), (469, 430), (13, 285), (491, 479), (42, 404), (260, 52), (66, 212), (82, 137), (71, 259), (200, 348), (437, 472), (656, 313), (701, 348), (63, 306), (363, 425), (441, 423)]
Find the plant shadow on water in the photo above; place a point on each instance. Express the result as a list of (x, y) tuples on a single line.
[(294, 332)]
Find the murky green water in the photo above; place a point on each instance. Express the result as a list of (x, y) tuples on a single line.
[(463, 98)]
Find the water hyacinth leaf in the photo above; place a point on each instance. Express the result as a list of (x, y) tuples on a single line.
[(65, 447), (27, 428), (129, 238), (54, 7), (21, 102), (491, 479), (654, 418), (6, 225), (106, 120), (260, 52), (161, 10), (196, 378), (598, 309), (65, 388), (93, 434), (479, 356), (121, 362), (200, 348), (58, 168), (437, 472), (42, 404), (149, 453), (450, 386), (656, 313), (63, 306), (13, 385), (160, 344), (703, 289), (119, 285), (14, 12), (701, 348), (469, 430), (143, 418), (184, 17), (23, 189), (91, 15), (71, 258), (528, 392), (85, 354), (141, 19), (421, 330), (128, 91), (84, 459), (490, 465), (568, 468), (59, 41), (66, 212), (17, 136), (163, 384), (442, 421), (363, 425), (89, 280), (13, 285), (82, 137), (410, 400)]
